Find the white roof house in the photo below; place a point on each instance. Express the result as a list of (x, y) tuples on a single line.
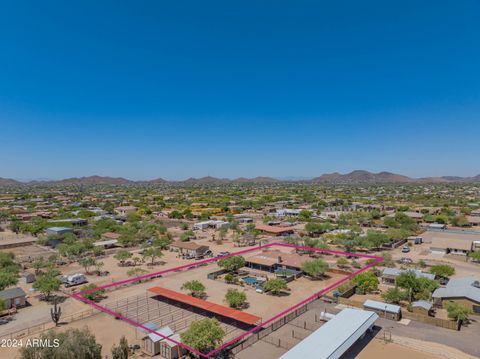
[(395, 272), (335, 337)]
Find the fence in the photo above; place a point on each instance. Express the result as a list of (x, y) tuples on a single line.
[(18, 334), (265, 332), (439, 322)]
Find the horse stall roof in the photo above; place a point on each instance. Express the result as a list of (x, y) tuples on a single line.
[(335, 337), (206, 305)]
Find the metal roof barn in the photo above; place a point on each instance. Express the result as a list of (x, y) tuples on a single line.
[(335, 337)]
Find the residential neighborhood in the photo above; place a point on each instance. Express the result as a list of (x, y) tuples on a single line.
[(131, 249)]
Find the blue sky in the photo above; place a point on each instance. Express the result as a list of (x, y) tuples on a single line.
[(146, 89)]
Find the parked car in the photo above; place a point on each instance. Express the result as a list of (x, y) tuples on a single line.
[(405, 249), (222, 254), (406, 260)]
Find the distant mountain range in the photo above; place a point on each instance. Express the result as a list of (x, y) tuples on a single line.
[(358, 176)]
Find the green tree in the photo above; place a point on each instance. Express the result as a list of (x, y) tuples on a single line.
[(72, 343), (94, 295), (162, 242), (408, 281), (152, 253), (460, 221), (196, 288), (457, 311), (7, 279), (442, 270), (366, 282), (315, 228), (87, 263), (387, 260), (120, 351), (122, 255), (47, 283), (275, 286), (315, 268), (203, 335), (304, 215), (135, 272), (232, 264), (235, 298), (230, 278), (39, 264), (475, 256), (393, 295)]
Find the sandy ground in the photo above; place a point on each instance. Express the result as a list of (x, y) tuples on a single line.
[(377, 349), (108, 332)]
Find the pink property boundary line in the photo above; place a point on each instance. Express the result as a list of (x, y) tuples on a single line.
[(214, 351)]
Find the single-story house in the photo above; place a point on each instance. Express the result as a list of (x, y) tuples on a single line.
[(124, 210), (58, 231), (283, 212), (473, 220), (110, 243), (423, 307), (389, 275), (189, 249), (13, 297), (384, 310), (273, 260), (72, 221), (450, 241), (275, 230), (207, 224), (465, 291)]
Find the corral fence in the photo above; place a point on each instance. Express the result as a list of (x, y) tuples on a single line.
[(263, 333)]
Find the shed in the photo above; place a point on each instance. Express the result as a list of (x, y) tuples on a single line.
[(13, 297), (169, 349), (422, 307), (385, 310), (28, 277), (151, 343)]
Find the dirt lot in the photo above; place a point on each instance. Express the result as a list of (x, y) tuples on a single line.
[(108, 332)]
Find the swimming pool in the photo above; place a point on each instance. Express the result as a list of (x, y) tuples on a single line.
[(250, 280)]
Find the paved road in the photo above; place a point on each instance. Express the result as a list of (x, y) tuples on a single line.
[(466, 340)]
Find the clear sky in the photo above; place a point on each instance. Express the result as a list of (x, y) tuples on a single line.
[(173, 89)]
